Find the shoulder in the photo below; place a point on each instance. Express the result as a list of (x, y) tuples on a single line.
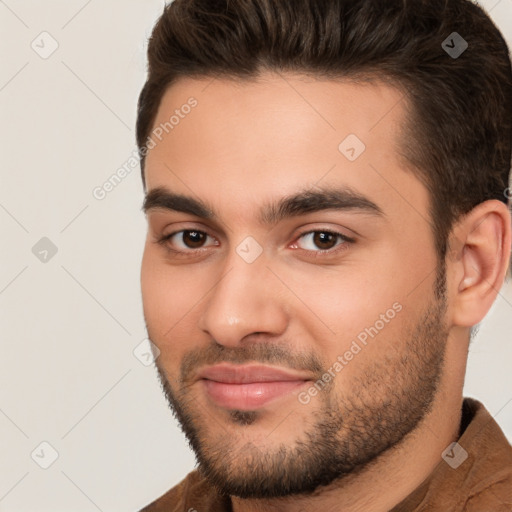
[(177, 498), (496, 497), (474, 476), (489, 481)]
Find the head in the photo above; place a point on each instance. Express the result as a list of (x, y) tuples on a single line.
[(326, 194)]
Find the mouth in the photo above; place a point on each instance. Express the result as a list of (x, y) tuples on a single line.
[(249, 387)]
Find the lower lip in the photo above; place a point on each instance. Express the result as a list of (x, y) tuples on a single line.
[(249, 396)]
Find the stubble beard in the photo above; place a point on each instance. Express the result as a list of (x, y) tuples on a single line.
[(341, 437)]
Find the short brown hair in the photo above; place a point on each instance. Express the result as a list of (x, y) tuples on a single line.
[(458, 132)]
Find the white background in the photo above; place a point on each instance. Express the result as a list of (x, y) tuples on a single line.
[(70, 325)]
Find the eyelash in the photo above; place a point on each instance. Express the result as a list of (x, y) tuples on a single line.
[(316, 254)]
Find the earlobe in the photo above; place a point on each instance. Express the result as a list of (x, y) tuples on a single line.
[(482, 240)]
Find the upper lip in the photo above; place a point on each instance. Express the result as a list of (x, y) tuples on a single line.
[(248, 373)]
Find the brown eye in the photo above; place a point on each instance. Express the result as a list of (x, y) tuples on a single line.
[(321, 240), (324, 240), (186, 241), (193, 239)]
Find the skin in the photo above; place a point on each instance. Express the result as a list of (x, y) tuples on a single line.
[(392, 409)]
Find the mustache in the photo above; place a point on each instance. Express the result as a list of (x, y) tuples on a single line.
[(259, 352)]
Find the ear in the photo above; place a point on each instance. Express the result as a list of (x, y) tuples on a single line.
[(480, 246)]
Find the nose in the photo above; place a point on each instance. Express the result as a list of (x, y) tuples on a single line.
[(245, 301)]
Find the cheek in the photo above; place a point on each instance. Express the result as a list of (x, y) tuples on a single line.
[(341, 302), (168, 303), (168, 296), (368, 330), (356, 310)]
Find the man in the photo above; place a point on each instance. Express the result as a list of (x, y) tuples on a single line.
[(326, 194)]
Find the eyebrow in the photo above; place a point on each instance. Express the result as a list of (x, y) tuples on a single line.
[(300, 203)]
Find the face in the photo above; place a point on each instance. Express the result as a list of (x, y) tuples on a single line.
[(289, 279)]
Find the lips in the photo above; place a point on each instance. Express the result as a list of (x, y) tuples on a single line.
[(249, 387)]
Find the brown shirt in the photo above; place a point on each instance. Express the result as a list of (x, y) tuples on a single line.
[(475, 476)]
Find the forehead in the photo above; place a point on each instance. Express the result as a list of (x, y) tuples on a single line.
[(244, 140), (287, 111)]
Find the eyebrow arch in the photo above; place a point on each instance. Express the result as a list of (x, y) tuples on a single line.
[(300, 203)]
